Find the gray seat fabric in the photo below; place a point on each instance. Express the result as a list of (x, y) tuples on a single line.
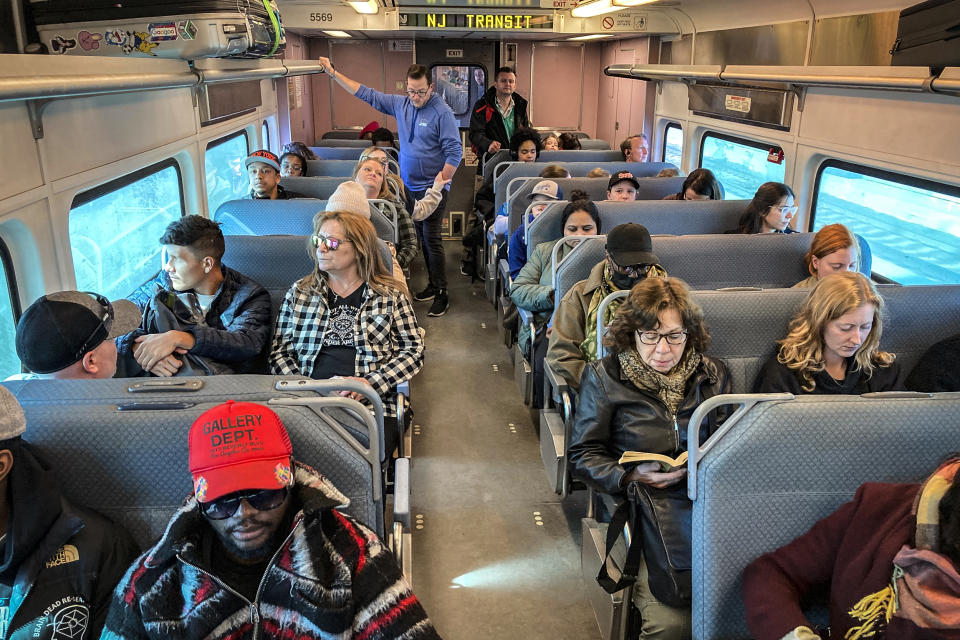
[(339, 153), (787, 464), (583, 155), (320, 187), (500, 156), (577, 170), (591, 144), (293, 217), (334, 168), (673, 217), (132, 465)]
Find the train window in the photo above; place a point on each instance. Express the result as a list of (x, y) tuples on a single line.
[(912, 225), (9, 312), (672, 144), (460, 86), (265, 135), (115, 228), (226, 178), (741, 165)]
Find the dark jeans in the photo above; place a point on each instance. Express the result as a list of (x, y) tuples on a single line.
[(431, 242)]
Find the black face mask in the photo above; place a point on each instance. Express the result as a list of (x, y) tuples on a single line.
[(623, 281)]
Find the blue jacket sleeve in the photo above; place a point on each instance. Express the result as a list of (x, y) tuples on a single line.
[(450, 139), (517, 252), (382, 102)]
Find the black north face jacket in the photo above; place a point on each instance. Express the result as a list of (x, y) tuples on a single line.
[(60, 562)]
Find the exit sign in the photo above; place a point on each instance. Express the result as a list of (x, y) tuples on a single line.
[(454, 53)]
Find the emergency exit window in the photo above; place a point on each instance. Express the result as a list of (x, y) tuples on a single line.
[(460, 86)]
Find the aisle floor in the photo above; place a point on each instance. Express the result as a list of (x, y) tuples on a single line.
[(498, 552)]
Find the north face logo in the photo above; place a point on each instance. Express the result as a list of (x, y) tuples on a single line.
[(64, 555)]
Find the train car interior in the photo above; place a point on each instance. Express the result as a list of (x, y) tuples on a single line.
[(120, 119)]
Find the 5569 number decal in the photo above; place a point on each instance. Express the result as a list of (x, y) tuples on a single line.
[(321, 17)]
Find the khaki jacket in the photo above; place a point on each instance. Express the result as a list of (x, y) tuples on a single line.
[(569, 328)]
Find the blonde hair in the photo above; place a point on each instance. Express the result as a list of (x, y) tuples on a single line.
[(833, 237), (371, 267), (837, 294), (385, 192), (598, 173)]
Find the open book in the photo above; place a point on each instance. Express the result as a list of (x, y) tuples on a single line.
[(666, 462)]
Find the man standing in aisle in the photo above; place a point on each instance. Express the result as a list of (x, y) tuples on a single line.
[(429, 145), (497, 114)]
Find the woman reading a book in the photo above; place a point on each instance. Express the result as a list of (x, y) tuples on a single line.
[(639, 398), (833, 343)]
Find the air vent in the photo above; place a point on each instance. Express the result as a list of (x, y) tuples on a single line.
[(772, 108), (222, 101)]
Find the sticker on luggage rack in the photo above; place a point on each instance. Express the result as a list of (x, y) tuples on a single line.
[(59, 44), (186, 29), (89, 41), (162, 31), (130, 41)]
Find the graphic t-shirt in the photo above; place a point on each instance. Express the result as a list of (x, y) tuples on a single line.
[(338, 352)]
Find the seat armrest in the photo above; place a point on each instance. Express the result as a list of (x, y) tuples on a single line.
[(504, 268), (401, 505), (557, 383)]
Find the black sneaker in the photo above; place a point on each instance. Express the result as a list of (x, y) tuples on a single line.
[(440, 304), (426, 294), (466, 268)]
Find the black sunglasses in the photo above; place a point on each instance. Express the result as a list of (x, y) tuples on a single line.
[(106, 321), (262, 500)]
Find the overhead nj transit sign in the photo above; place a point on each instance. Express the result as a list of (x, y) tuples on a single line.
[(477, 21)]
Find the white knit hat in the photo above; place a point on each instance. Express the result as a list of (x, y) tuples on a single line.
[(351, 198), (12, 421)]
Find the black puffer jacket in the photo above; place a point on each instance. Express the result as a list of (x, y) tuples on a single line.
[(62, 562), (614, 416), (486, 123)]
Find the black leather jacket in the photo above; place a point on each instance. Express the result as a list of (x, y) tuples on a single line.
[(614, 416)]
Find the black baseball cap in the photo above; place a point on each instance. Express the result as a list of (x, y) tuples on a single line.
[(620, 176), (58, 329), (630, 244)]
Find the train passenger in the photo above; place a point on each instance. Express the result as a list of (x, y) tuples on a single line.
[(524, 147), (292, 164), (770, 211), (300, 149), (60, 561), (497, 115), (937, 368), (701, 184), (597, 172), (349, 317), (833, 343), (261, 549), (668, 173), (573, 340), (431, 144), (889, 559), (569, 142), (367, 132), (656, 375), (200, 317), (833, 249), (554, 171), (532, 289), (622, 187), (371, 175), (551, 142), (263, 169), (383, 137), (70, 334), (636, 148), (542, 194)]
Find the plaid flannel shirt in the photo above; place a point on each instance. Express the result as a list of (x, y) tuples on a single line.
[(389, 347)]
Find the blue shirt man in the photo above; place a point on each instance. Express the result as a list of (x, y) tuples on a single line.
[(430, 147)]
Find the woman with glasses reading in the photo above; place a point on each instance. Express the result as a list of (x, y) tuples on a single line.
[(770, 211), (639, 398), (833, 343), (349, 318)]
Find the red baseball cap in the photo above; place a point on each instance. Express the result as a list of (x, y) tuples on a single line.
[(238, 446)]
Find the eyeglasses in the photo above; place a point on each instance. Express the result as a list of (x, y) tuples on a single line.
[(106, 320), (654, 337), (785, 209), (329, 242), (263, 500), (417, 92), (633, 270), (382, 161)]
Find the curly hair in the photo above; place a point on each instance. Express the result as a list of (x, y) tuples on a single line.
[(768, 195), (641, 312), (523, 134), (837, 294)]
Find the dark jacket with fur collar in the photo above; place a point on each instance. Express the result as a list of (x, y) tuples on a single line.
[(331, 578)]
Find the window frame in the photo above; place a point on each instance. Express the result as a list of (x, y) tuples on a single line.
[(663, 148), (898, 178), (265, 133), (85, 197), (756, 144), (216, 142), (13, 291), (461, 64)]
